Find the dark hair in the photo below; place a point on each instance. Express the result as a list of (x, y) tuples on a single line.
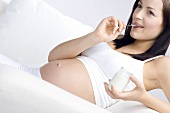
[(162, 42)]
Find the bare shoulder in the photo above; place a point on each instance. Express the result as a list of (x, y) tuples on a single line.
[(162, 62), (162, 67), (156, 72)]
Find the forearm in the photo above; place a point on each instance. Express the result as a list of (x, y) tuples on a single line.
[(155, 103), (72, 48), (105, 32)]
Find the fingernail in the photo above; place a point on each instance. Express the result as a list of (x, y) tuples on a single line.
[(132, 77), (105, 83)]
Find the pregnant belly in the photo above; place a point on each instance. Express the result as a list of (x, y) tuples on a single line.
[(70, 75), (57, 68)]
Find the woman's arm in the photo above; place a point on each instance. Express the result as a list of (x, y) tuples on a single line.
[(141, 95), (73, 48), (108, 29), (155, 103), (160, 73)]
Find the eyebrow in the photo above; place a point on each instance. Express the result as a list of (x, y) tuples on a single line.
[(152, 9), (149, 7)]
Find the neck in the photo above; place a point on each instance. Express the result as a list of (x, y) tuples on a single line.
[(141, 45)]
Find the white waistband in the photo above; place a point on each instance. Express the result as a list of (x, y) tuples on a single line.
[(97, 79)]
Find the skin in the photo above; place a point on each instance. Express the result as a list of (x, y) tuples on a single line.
[(156, 72), (68, 73), (149, 14)]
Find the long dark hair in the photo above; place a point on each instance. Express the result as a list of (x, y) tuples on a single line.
[(162, 42)]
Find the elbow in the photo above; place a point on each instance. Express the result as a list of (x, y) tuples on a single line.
[(50, 57), (53, 57)]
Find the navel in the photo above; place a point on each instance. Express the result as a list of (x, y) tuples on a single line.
[(58, 64)]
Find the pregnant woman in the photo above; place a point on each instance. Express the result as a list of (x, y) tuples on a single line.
[(81, 66)]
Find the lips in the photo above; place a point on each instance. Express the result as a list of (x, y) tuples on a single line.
[(137, 25)]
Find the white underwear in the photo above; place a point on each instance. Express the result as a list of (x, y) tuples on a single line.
[(97, 79), (7, 61)]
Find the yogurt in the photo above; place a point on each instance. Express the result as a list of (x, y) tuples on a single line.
[(120, 80)]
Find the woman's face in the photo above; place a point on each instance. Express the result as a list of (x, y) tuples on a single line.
[(148, 16)]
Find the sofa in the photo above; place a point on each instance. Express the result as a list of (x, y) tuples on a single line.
[(28, 31)]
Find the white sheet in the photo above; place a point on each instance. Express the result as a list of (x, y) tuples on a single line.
[(21, 92)]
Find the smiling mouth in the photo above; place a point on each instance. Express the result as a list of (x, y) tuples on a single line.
[(137, 26)]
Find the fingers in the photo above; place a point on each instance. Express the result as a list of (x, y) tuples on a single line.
[(119, 29), (136, 82), (116, 25), (113, 93), (120, 24), (134, 94)]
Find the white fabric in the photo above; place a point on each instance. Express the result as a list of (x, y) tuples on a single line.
[(3, 6), (21, 92), (102, 63), (130, 107), (7, 61), (168, 52), (97, 78), (7, 1), (29, 29), (106, 57)]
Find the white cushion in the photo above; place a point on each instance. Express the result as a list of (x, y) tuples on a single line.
[(3, 6), (29, 29), (21, 92), (130, 107)]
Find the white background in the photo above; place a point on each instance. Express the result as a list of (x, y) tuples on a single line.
[(91, 12)]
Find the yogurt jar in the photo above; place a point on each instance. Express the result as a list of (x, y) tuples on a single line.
[(120, 80)]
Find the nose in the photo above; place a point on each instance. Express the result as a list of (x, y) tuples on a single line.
[(138, 15)]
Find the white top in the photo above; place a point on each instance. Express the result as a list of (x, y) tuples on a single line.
[(110, 61)]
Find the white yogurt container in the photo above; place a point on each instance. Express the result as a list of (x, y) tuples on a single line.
[(120, 79)]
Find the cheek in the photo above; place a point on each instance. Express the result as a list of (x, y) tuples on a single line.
[(152, 24), (153, 27)]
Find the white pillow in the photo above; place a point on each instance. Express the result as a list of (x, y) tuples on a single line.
[(3, 6), (29, 29), (21, 92)]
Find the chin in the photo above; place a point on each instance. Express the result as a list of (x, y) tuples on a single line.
[(134, 35)]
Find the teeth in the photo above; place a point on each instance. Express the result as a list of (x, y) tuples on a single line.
[(132, 25)]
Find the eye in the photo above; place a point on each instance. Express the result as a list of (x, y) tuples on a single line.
[(139, 5), (150, 13)]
